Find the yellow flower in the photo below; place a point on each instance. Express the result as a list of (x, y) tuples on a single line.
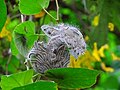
[(85, 61), (101, 50), (73, 62), (86, 38), (5, 32), (99, 53), (114, 57), (111, 26), (96, 52), (107, 69), (95, 21)]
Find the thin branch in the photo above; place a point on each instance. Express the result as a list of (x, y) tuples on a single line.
[(49, 14), (85, 6), (15, 16), (26, 64), (22, 18), (36, 77), (30, 18), (8, 61), (57, 19), (41, 34), (57, 10)]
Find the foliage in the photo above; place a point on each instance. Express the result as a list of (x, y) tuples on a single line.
[(16, 80), (77, 79), (41, 85), (24, 37), (20, 27), (3, 14)]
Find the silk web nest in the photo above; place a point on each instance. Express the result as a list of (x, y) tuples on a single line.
[(64, 39)]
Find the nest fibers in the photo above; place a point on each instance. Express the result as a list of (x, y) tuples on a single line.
[(54, 54)]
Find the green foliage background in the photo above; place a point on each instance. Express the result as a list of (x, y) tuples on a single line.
[(19, 38)]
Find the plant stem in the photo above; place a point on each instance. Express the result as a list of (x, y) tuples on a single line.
[(8, 61), (41, 34), (27, 64), (49, 14), (57, 19), (85, 7), (57, 10), (22, 18)]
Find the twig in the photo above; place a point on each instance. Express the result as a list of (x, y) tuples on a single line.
[(85, 6), (57, 10), (36, 77), (41, 34), (49, 14), (30, 18), (8, 61), (26, 64), (57, 19), (15, 16), (22, 18)]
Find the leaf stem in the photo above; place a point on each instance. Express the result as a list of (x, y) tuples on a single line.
[(57, 19), (57, 10), (49, 14), (27, 64), (22, 18), (8, 61), (41, 34)]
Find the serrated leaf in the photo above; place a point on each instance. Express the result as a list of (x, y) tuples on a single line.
[(30, 7), (73, 77), (24, 37), (9, 82), (41, 85), (3, 14)]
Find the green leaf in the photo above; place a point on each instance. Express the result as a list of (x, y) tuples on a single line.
[(73, 77), (48, 19), (41, 85), (27, 27), (9, 82), (3, 14), (12, 24), (24, 37), (44, 3), (13, 47), (30, 7), (109, 81)]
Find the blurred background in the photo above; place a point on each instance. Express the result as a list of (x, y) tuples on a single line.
[(99, 22)]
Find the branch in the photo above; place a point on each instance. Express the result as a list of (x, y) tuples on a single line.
[(22, 18), (8, 61), (49, 14), (57, 11)]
